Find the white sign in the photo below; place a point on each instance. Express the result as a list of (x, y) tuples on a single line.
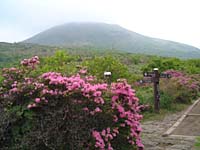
[(107, 73)]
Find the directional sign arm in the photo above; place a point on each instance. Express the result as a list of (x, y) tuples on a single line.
[(148, 74), (164, 75), (146, 81)]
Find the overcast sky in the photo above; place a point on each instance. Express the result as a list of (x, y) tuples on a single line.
[(177, 20)]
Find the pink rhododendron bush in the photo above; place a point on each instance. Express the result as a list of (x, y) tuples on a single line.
[(182, 87), (54, 111)]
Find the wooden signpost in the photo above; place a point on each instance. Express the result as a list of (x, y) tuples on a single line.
[(155, 78)]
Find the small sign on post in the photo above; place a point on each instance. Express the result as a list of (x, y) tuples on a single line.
[(107, 76)]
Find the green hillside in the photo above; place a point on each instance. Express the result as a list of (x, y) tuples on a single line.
[(113, 37), (12, 52)]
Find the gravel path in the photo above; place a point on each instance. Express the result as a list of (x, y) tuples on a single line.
[(153, 139)]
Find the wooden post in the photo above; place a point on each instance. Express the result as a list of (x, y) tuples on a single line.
[(156, 90)]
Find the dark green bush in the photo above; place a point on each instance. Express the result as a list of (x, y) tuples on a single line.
[(166, 101), (99, 65), (164, 64)]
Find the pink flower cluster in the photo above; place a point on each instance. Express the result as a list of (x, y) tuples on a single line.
[(83, 71), (14, 70), (184, 80), (75, 83), (174, 73), (31, 106), (125, 115), (11, 74), (125, 103), (14, 88), (99, 141), (32, 62), (105, 136), (97, 110)]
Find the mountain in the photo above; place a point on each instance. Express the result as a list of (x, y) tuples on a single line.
[(111, 36)]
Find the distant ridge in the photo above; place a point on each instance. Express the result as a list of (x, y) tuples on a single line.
[(111, 36)]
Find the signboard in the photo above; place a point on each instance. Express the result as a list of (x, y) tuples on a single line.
[(154, 78), (146, 81), (164, 75), (148, 74), (107, 73)]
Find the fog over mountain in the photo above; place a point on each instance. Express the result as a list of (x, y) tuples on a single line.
[(110, 36)]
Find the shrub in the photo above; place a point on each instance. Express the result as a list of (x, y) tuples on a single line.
[(99, 65), (164, 64), (145, 94), (192, 66), (166, 101), (59, 62), (1, 79), (183, 88), (53, 111)]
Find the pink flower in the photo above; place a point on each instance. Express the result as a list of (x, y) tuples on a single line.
[(85, 109), (92, 113), (139, 129), (120, 108), (139, 143), (99, 141), (98, 109), (14, 90), (99, 100), (97, 93), (37, 100), (109, 147), (103, 133), (29, 106), (122, 125), (116, 130), (83, 71), (115, 118), (108, 130)]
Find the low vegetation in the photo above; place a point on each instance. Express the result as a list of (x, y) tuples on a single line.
[(197, 144), (54, 111), (67, 93)]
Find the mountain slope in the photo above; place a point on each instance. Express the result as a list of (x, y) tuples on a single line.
[(14, 52), (109, 36)]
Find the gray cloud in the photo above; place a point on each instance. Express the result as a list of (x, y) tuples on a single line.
[(172, 19)]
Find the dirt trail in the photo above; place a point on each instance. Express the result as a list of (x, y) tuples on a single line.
[(181, 138)]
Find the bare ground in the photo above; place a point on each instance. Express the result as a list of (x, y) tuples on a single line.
[(153, 131)]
